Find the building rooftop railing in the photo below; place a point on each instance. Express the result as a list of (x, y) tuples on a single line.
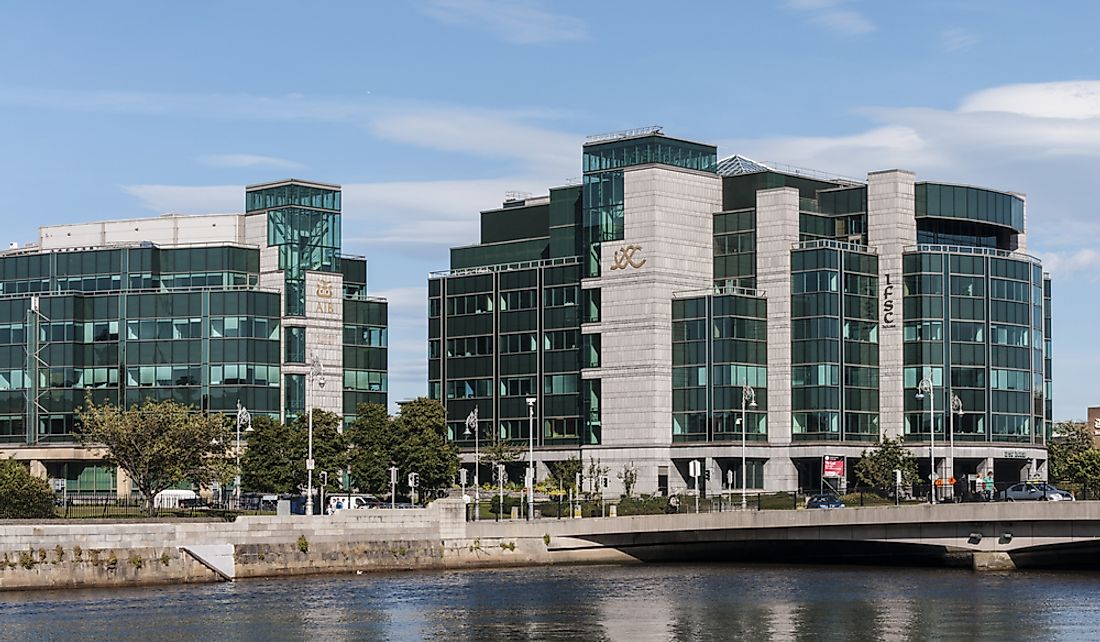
[(626, 133), (119, 245), (967, 249), (814, 174), (174, 290), (504, 267), (720, 289), (835, 245)]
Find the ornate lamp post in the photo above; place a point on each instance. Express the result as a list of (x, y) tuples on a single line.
[(748, 396), (243, 419), (956, 409), (531, 457), (925, 388), (316, 373), (471, 424)]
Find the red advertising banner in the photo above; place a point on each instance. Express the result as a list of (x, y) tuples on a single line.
[(833, 466)]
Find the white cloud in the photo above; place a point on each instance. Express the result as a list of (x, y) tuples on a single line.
[(1079, 100), (249, 160), (184, 199), (831, 15), (487, 134), (521, 22), (1081, 262), (484, 133), (957, 39)]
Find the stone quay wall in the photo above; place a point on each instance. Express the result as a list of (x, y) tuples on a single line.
[(89, 553)]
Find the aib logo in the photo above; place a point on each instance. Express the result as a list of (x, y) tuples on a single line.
[(324, 291), (624, 258)]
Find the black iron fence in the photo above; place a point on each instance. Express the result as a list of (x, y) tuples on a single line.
[(112, 507)]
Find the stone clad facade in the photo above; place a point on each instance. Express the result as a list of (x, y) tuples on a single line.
[(636, 307)]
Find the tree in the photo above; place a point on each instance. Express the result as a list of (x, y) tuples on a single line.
[(159, 443), (629, 477), (268, 465), (372, 440), (500, 452), (22, 495), (275, 461), (876, 467), (596, 472), (1071, 439), (565, 472), (413, 441), (1084, 468)]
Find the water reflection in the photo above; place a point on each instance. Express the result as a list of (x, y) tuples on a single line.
[(618, 604)]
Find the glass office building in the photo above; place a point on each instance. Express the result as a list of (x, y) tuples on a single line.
[(206, 310), (634, 309)]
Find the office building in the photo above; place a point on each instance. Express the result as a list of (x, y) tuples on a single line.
[(206, 310), (650, 308)]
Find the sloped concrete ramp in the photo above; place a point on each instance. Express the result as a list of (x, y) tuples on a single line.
[(216, 557)]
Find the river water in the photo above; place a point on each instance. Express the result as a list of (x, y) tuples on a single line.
[(580, 603)]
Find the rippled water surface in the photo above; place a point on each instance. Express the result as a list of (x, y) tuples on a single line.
[(629, 603)]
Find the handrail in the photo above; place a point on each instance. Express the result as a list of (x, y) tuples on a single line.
[(835, 245), (505, 267), (967, 249)]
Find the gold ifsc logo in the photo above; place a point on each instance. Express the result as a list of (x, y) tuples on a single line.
[(624, 258)]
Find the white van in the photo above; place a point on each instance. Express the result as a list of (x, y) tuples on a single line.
[(172, 498), (340, 502)]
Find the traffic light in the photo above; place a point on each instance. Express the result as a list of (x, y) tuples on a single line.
[(706, 474)]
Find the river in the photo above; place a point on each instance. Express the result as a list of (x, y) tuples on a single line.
[(581, 603)]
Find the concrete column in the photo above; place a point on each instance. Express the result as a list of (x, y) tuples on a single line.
[(891, 227), (776, 233), (38, 469), (125, 484)]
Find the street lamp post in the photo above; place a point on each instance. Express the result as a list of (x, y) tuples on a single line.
[(925, 388), (956, 408), (748, 396), (531, 457), (316, 373), (471, 424), (243, 419)]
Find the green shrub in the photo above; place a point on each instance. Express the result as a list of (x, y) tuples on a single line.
[(59, 553), (26, 559), (303, 544), (78, 553), (164, 558), (136, 561), (22, 495)]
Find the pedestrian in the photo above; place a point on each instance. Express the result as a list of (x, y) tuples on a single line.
[(673, 504)]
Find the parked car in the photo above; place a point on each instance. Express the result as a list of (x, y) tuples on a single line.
[(1034, 491), (824, 500)]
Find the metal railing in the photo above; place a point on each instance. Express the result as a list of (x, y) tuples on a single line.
[(977, 251), (835, 245), (504, 267), (112, 507)]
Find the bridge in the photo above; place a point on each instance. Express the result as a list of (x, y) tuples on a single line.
[(986, 536)]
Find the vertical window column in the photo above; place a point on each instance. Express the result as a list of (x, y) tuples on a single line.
[(295, 344)]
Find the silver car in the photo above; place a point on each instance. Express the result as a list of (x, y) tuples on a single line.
[(1034, 491)]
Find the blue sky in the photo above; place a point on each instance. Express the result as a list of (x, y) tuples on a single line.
[(428, 111)]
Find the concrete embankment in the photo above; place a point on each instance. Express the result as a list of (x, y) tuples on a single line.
[(86, 554)]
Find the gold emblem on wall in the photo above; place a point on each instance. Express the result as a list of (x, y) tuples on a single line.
[(624, 258), (324, 291)]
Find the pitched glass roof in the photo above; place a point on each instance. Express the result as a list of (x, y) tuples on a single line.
[(736, 165)]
